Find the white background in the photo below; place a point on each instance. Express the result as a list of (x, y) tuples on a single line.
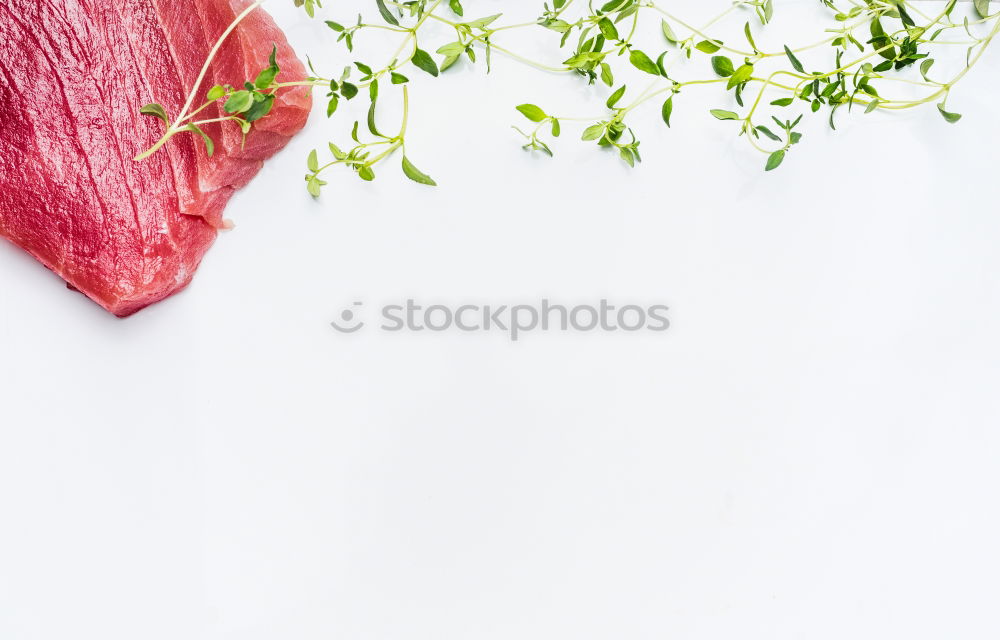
[(810, 452)]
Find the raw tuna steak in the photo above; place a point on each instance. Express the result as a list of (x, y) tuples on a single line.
[(73, 75)]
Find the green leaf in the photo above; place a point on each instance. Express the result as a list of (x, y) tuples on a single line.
[(767, 132), (642, 62), (668, 33), (722, 66), (556, 128), (259, 109), (667, 110), (386, 14), (722, 114), (615, 97), (587, 58), (708, 46), (482, 23), (366, 173), (949, 116), (982, 8), (626, 155), (312, 162), (416, 174), (398, 78), (795, 61), (209, 145), (456, 6), (156, 110), (335, 150), (348, 90), (740, 76), (452, 49), (238, 102), (925, 66), (881, 41), (310, 6), (593, 132), (314, 187), (216, 92), (531, 112), (607, 77), (774, 160), (423, 60), (659, 65), (783, 102), (371, 119), (607, 28), (266, 77), (749, 35)]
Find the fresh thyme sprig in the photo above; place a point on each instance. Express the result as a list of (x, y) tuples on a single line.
[(244, 106), (364, 155), (874, 43)]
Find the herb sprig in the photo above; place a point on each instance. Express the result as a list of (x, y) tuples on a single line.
[(243, 106)]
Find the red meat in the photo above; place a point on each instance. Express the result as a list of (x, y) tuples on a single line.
[(73, 74)]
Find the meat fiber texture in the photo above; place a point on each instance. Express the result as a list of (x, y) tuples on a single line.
[(73, 75)]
